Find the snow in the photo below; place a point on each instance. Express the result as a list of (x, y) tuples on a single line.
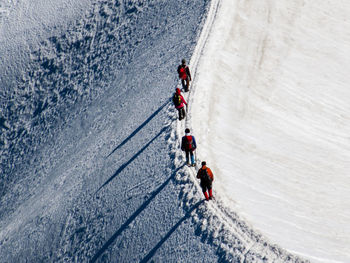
[(91, 169), (275, 128)]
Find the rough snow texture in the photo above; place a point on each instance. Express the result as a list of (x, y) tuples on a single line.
[(87, 172), (91, 169)]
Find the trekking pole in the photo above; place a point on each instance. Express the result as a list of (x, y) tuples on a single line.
[(186, 111), (195, 154)]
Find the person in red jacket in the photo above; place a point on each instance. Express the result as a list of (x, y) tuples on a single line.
[(180, 103), (206, 176), (184, 75)]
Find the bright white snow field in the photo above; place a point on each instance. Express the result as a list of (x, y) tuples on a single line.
[(272, 118)]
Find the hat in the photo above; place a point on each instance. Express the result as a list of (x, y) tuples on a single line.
[(178, 91), (187, 130), (204, 163), (183, 61)]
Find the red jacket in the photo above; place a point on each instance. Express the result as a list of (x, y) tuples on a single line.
[(182, 100)]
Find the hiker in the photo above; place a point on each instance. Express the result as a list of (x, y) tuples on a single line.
[(179, 103), (184, 75), (188, 145), (207, 177)]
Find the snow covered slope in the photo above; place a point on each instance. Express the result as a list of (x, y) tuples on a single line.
[(90, 164), (87, 172), (272, 111)]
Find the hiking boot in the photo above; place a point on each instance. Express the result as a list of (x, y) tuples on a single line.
[(210, 194), (206, 196)]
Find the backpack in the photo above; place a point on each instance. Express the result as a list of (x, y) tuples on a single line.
[(205, 178), (182, 72), (189, 143), (177, 99)]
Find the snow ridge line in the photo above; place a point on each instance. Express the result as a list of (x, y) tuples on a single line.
[(234, 238)]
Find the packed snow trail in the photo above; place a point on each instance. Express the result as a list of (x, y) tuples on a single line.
[(271, 114)]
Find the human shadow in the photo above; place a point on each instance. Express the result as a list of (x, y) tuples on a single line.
[(123, 166), (171, 231), (140, 127), (133, 216)]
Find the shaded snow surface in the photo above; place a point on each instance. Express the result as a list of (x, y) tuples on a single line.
[(87, 154)]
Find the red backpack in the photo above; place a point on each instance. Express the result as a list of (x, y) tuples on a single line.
[(182, 73), (189, 144)]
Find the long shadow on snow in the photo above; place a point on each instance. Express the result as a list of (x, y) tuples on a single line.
[(140, 127), (121, 168), (171, 231), (133, 216)]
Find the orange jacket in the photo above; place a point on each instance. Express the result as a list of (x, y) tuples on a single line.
[(210, 173)]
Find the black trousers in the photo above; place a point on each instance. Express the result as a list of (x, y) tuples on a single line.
[(206, 187), (182, 113)]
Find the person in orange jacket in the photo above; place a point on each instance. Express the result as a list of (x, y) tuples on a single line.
[(184, 74), (206, 176)]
